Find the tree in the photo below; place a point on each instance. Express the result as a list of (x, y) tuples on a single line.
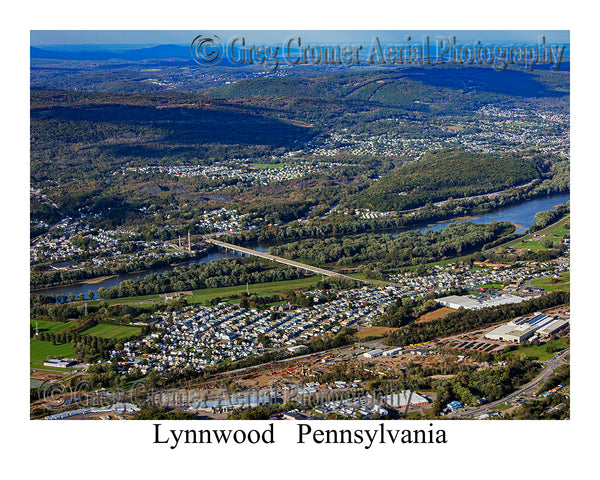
[(91, 294), (153, 379)]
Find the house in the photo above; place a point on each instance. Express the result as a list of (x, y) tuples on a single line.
[(455, 405)]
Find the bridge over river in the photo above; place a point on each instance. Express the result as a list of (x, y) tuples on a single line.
[(285, 261)]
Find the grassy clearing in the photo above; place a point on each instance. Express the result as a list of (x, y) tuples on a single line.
[(497, 286), (362, 276), (555, 232), (551, 284), (140, 300), (106, 330), (264, 166), (48, 326), (259, 289), (40, 351), (206, 294), (539, 352), (442, 263)]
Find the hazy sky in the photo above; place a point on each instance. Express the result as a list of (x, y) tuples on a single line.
[(184, 37)]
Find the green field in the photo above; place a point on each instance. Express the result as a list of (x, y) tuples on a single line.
[(40, 351), (551, 284), (107, 330), (539, 352), (555, 232), (362, 276), (264, 166), (259, 289), (497, 286), (53, 327), (202, 296), (141, 300), (442, 263)]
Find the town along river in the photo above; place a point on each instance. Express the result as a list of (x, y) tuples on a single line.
[(521, 215)]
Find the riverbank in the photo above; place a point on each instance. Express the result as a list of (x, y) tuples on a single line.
[(521, 215), (91, 281)]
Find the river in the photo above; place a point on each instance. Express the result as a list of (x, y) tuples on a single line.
[(521, 214)]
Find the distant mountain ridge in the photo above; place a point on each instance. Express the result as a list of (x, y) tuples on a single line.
[(148, 53), (158, 52)]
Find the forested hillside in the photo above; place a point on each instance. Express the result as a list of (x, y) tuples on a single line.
[(444, 174)]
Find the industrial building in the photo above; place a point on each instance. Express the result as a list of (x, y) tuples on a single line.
[(60, 362), (477, 302), (404, 398), (552, 328), (373, 353), (392, 352), (510, 332), (520, 329)]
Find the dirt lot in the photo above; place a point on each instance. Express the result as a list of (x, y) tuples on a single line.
[(374, 332), (439, 313), (46, 375)]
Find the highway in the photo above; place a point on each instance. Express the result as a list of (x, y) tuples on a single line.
[(526, 389)]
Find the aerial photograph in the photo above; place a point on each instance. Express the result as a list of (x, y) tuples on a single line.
[(299, 225)]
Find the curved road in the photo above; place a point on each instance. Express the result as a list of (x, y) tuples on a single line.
[(526, 389)]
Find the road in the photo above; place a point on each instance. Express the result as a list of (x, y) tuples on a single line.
[(526, 389)]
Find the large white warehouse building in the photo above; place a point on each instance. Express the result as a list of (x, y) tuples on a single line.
[(520, 329), (476, 302)]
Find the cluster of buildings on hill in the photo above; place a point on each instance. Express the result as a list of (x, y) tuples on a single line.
[(223, 220), (74, 240), (237, 169), (494, 130)]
